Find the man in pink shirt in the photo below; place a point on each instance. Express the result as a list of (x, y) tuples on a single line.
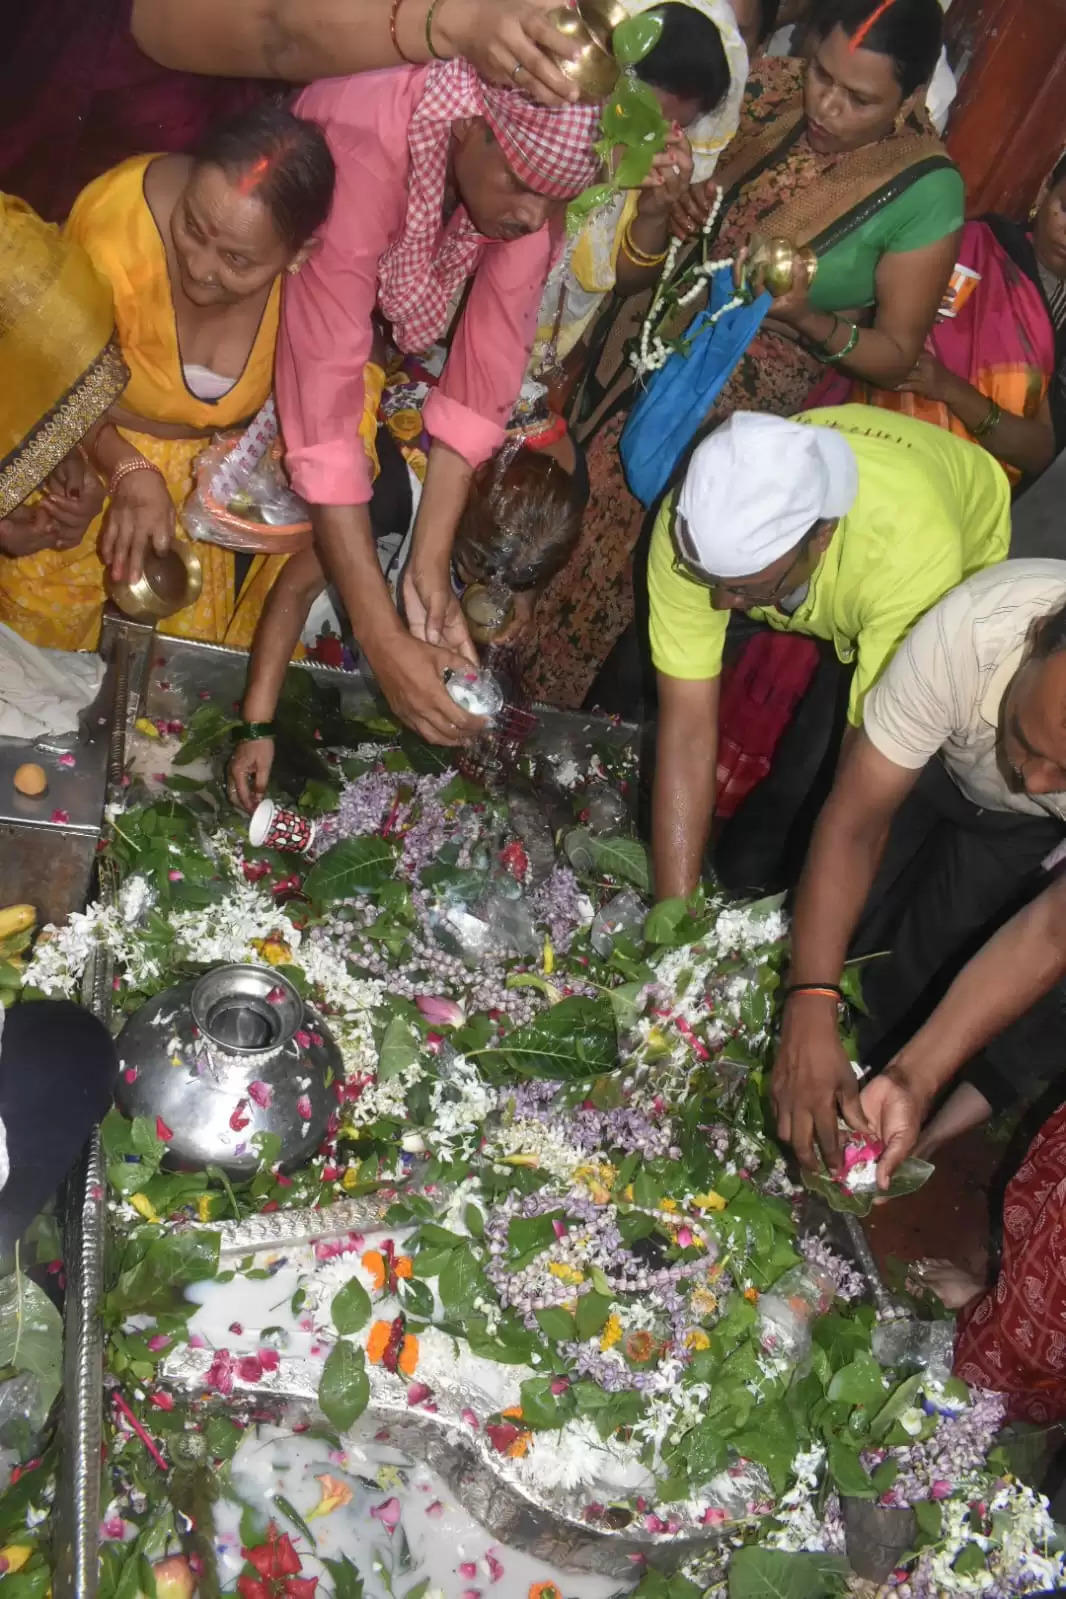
[(443, 181)]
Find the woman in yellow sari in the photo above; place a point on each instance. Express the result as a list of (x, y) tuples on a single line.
[(194, 249), (60, 369)]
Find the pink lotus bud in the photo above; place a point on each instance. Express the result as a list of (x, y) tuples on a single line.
[(158, 1341), (442, 1012), (303, 1108)]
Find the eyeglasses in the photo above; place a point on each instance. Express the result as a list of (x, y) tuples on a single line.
[(686, 564)]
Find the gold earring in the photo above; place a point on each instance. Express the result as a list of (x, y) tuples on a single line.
[(900, 122), (293, 267)]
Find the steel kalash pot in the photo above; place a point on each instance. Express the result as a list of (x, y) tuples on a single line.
[(224, 1057)]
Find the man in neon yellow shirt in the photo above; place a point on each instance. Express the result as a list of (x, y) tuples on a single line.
[(845, 524)]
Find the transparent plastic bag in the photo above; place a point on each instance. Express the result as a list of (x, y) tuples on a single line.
[(241, 499)]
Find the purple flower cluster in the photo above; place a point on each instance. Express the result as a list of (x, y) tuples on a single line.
[(848, 1283), (560, 905), (957, 1449), (618, 1131)]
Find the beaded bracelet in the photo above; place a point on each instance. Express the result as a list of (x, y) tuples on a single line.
[(832, 356), (244, 732), (434, 52), (396, 45), (829, 990), (639, 257), (124, 468), (992, 419)]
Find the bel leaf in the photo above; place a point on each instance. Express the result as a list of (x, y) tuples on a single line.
[(350, 1309), (31, 1334), (756, 1573), (344, 1391), (459, 1277)]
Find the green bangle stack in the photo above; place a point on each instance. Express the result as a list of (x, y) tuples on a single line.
[(244, 732), (992, 418), (830, 357), (430, 46)]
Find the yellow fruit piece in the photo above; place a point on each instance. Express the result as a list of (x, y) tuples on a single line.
[(149, 729), (31, 779), (16, 918), (144, 1207), (16, 1555)]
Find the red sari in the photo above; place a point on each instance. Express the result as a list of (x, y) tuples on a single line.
[(1014, 1338)]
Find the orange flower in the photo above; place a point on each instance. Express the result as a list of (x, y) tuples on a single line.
[(513, 1412), (334, 1494), (751, 1295), (378, 1341), (409, 1355), (544, 1590), (520, 1445), (374, 1263), (639, 1346), (402, 1267)]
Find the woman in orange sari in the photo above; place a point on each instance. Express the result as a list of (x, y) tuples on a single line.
[(194, 249), (989, 363)]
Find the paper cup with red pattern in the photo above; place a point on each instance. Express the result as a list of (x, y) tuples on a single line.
[(272, 827)]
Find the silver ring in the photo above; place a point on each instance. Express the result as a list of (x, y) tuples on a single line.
[(515, 70)]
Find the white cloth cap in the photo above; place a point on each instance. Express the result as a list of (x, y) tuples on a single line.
[(757, 485)]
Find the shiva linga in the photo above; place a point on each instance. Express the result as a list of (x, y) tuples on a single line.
[(771, 264), (590, 24), (223, 1058)]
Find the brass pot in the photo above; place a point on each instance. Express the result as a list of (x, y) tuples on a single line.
[(167, 584), (590, 24), (488, 609), (771, 264)]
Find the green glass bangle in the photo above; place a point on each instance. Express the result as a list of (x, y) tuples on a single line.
[(830, 357), (245, 731), (434, 52), (992, 419)]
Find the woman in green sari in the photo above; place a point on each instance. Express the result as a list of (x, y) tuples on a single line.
[(837, 154)]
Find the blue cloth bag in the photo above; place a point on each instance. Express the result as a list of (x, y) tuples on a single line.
[(677, 398)]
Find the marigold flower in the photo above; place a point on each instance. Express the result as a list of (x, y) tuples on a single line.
[(350, 1179), (520, 1446), (203, 1207), (709, 1201), (544, 1590), (751, 1295), (514, 1412), (409, 1355), (374, 1262), (402, 1266), (378, 1341), (696, 1338), (144, 1207), (612, 1332)]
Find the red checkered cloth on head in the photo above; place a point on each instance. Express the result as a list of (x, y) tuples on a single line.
[(550, 151)]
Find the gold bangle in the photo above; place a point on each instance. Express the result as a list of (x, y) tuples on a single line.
[(639, 257), (124, 468)]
